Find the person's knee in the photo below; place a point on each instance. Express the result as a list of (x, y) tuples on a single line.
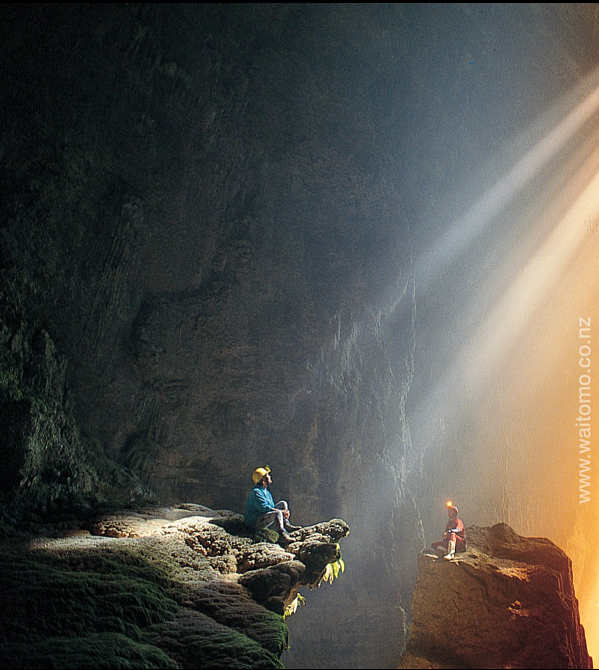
[(282, 505)]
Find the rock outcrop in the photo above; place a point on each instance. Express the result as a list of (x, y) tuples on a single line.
[(508, 602), (157, 587)]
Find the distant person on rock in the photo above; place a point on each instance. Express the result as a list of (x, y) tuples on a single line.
[(260, 509), (454, 539)]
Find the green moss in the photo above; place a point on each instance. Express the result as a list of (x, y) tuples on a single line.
[(84, 610), (97, 650), (179, 564), (198, 641), (232, 650), (266, 535), (230, 606)]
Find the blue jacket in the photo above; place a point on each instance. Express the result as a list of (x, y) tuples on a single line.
[(259, 502)]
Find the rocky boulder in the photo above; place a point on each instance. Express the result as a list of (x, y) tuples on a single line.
[(507, 602), (178, 586)]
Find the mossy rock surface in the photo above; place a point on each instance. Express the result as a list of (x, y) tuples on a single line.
[(82, 609), (97, 650), (154, 587), (197, 640)]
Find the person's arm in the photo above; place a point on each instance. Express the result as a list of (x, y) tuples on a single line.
[(262, 502), (458, 527)]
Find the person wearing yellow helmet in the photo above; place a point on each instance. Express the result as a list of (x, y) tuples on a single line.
[(454, 539), (260, 509)]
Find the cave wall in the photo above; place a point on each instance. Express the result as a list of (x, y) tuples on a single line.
[(200, 215), (202, 222)]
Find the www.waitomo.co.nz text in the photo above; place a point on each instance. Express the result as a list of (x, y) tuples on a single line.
[(583, 420)]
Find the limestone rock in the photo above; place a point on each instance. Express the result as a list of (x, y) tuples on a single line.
[(508, 602), (181, 586)]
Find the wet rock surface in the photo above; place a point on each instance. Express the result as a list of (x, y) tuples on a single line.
[(507, 602), (175, 586)]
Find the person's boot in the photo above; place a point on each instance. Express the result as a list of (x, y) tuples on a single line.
[(285, 538), (291, 528), (450, 551)]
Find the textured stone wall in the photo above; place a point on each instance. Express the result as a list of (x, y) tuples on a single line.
[(200, 214)]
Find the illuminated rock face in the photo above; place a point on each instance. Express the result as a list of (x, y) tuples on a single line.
[(508, 602), (157, 587)]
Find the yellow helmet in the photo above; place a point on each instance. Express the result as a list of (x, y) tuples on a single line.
[(259, 473)]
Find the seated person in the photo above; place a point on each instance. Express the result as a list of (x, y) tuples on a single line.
[(260, 509), (454, 539)]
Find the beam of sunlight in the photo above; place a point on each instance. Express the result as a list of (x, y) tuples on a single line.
[(536, 280), (480, 356), (468, 227)]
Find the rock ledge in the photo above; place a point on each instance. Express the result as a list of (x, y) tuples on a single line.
[(157, 587), (508, 602)]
